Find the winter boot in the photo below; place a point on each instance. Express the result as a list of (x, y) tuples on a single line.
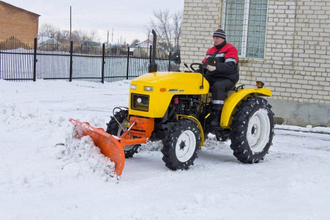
[(215, 118), (216, 113)]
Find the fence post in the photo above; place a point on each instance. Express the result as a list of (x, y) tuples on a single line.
[(103, 52), (150, 51), (71, 51), (169, 61), (127, 63), (35, 60)]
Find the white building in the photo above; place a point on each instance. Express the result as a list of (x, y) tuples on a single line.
[(284, 43)]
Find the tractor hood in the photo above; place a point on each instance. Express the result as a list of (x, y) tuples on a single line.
[(173, 82)]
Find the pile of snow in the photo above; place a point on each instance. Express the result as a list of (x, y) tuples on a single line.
[(38, 139), (46, 173), (83, 159), (308, 128)]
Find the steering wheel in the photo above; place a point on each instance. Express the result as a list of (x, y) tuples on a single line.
[(200, 66)]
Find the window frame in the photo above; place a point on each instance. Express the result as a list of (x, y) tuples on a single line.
[(244, 40)]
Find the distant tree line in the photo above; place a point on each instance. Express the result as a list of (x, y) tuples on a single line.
[(168, 27), (63, 36)]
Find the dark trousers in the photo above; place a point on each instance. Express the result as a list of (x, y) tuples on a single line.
[(219, 88)]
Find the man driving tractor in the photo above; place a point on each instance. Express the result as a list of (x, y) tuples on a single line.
[(222, 72)]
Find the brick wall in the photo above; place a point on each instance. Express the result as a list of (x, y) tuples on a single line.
[(297, 55), (200, 20), (17, 22)]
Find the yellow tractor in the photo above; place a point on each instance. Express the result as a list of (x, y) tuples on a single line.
[(174, 107)]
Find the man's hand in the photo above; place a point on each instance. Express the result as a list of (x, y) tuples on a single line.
[(210, 68)]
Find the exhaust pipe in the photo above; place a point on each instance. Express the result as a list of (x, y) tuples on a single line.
[(153, 65)]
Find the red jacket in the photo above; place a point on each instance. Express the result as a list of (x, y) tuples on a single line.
[(227, 57)]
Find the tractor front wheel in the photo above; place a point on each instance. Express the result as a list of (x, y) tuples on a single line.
[(181, 145), (252, 130), (114, 128)]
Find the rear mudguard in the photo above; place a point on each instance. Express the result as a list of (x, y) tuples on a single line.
[(235, 98)]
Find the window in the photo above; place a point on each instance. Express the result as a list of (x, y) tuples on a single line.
[(244, 22)]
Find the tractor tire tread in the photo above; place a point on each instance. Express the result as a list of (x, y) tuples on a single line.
[(239, 142)]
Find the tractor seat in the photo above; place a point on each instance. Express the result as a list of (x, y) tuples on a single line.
[(235, 89)]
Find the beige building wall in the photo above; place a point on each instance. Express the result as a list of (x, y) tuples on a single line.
[(297, 55), (18, 23)]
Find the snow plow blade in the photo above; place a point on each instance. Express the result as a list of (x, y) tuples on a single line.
[(108, 145)]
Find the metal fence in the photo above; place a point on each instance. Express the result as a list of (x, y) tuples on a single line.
[(28, 62)]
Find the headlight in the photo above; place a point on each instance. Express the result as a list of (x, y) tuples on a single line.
[(149, 88), (140, 102), (132, 86)]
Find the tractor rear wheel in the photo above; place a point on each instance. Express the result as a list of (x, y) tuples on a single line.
[(114, 128), (252, 130), (181, 145)]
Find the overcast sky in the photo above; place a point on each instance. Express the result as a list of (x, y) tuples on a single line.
[(127, 18)]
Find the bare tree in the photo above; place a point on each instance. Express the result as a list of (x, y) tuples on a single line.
[(134, 42), (63, 36), (48, 30), (79, 36), (162, 27), (177, 30), (168, 28)]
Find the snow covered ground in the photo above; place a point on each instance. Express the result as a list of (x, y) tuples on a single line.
[(45, 174)]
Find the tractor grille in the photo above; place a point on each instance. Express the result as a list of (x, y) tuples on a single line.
[(140, 102)]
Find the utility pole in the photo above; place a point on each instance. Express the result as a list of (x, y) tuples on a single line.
[(108, 39), (112, 36)]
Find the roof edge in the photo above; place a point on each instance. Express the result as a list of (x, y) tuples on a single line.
[(6, 4)]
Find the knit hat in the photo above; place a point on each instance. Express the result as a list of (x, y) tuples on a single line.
[(219, 33)]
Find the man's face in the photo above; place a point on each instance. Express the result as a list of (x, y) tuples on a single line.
[(218, 40)]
